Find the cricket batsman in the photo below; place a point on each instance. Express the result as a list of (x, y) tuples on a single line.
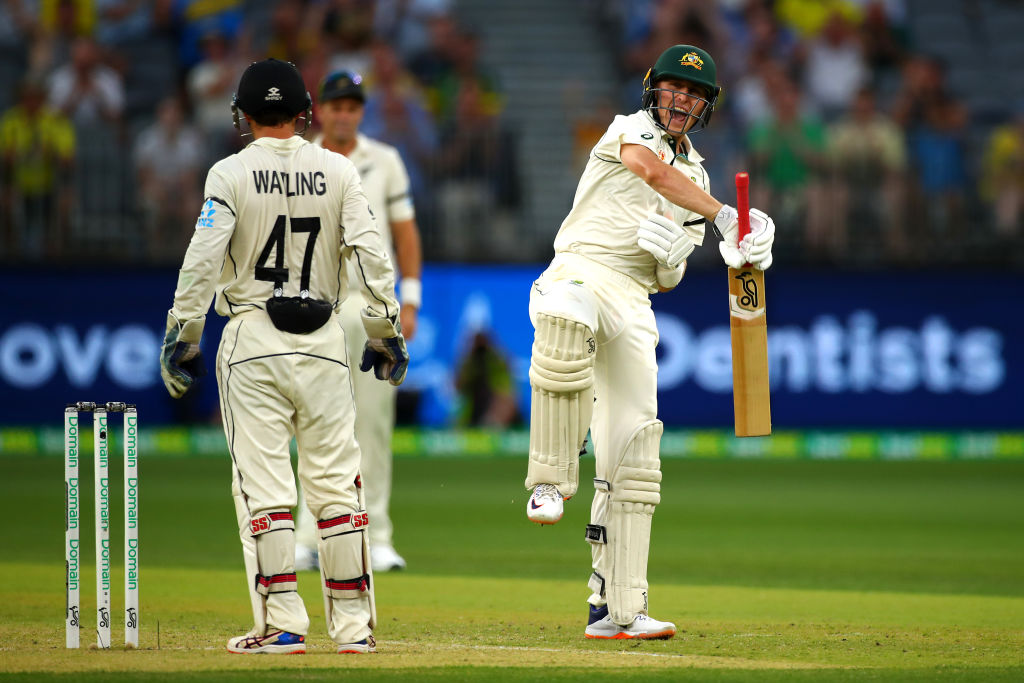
[(280, 221), (340, 107), (639, 211)]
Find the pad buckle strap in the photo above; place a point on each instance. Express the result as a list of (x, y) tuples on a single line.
[(596, 584), (603, 485), (278, 583), (348, 588)]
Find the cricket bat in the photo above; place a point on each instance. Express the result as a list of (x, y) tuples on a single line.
[(749, 330)]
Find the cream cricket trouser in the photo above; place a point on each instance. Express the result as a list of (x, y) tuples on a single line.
[(274, 385), (375, 421), (618, 310)]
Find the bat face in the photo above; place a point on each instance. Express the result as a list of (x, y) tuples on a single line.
[(749, 331), (748, 327)]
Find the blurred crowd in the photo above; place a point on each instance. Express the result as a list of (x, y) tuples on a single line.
[(867, 143), (115, 109), (867, 133)]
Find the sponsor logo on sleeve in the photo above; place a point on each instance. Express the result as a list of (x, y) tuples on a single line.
[(206, 215)]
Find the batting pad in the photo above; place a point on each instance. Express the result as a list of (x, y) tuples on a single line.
[(347, 581), (274, 533), (562, 379), (620, 528)]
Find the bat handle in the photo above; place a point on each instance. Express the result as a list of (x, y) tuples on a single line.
[(743, 203)]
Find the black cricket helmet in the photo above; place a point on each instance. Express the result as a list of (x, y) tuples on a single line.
[(686, 63), (271, 85)]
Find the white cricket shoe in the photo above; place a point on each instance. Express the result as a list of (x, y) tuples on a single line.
[(274, 643), (546, 504), (644, 627), (306, 558), (364, 646), (384, 558)]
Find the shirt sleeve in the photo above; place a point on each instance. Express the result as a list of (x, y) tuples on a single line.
[(208, 248), (399, 196), (375, 275), (624, 131)]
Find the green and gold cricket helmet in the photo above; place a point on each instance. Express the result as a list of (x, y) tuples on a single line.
[(687, 63)]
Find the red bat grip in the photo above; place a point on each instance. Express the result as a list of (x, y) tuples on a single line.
[(743, 204)]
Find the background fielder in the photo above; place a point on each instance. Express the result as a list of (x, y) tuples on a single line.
[(340, 109), (593, 361), (280, 219)]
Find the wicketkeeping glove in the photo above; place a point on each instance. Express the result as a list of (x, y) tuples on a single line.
[(181, 362), (385, 350), (666, 241), (755, 248)]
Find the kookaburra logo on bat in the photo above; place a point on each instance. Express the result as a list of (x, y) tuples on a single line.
[(751, 297)]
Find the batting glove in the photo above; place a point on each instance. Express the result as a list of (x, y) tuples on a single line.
[(385, 350), (181, 362), (665, 240), (755, 248)]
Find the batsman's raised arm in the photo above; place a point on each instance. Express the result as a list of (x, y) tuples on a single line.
[(669, 181), (674, 186)]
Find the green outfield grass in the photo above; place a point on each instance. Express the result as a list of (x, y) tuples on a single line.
[(801, 570)]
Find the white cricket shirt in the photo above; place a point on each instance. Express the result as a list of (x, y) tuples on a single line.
[(283, 212), (611, 201), (385, 182)]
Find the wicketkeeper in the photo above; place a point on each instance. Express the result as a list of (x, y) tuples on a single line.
[(280, 221), (639, 211)]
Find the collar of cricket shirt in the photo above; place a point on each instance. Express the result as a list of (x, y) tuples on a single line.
[(688, 154), (280, 143)]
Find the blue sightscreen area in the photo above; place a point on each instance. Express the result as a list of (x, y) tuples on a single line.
[(917, 350)]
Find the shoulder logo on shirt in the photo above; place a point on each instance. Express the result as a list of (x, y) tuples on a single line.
[(273, 95), (692, 59), (662, 155), (647, 136), (206, 215)]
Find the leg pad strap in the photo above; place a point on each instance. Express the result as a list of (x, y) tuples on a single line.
[(278, 583), (347, 588)]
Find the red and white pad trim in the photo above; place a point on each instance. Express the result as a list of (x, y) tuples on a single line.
[(343, 524), (271, 521)]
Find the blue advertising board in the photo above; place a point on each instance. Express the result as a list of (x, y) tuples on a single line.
[(850, 351)]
